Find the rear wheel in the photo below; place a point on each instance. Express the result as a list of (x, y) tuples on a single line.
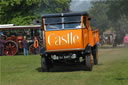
[(11, 48), (44, 64), (95, 56), (89, 62), (31, 49)]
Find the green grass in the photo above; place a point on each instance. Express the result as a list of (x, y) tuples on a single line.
[(23, 70)]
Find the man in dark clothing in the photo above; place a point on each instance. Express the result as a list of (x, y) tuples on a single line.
[(2, 42), (25, 46)]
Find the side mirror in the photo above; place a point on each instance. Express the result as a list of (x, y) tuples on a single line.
[(89, 18)]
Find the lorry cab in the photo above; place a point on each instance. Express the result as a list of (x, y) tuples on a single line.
[(68, 36)]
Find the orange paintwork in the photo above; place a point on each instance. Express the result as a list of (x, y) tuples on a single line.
[(82, 19), (96, 36), (85, 37), (73, 39), (91, 39), (63, 39)]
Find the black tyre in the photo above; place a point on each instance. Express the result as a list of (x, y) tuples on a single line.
[(44, 64), (95, 56), (89, 62)]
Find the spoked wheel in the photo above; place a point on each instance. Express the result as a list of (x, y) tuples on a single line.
[(95, 56), (11, 48), (31, 49), (89, 62), (44, 64)]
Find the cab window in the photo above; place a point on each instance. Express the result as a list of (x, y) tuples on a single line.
[(59, 23), (73, 22)]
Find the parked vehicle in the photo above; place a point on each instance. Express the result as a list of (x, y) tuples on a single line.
[(68, 39), (118, 40), (14, 36)]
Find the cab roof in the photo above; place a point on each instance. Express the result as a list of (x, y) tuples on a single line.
[(65, 14)]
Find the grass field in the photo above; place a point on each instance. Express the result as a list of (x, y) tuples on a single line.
[(24, 70)]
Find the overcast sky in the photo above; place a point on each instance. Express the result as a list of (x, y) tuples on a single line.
[(80, 5)]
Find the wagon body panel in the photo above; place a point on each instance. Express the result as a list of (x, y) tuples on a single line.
[(91, 39), (95, 36), (64, 40), (85, 37), (59, 37)]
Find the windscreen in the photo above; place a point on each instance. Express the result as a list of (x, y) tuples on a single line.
[(58, 23)]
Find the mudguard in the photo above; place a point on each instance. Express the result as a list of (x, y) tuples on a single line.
[(42, 51), (88, 49)]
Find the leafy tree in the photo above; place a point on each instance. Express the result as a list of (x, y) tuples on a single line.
[(110, 14), (99, 17), (22, 12), (117, 9), (118, 15)]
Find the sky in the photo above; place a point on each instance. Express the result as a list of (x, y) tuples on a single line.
[(80, 5)]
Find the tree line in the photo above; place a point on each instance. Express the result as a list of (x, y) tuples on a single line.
[(105, 14), (22, 12), (110, 14)]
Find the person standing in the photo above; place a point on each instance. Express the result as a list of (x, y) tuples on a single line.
[(36, 45), (2, 42), (126, 40), (25, 46)]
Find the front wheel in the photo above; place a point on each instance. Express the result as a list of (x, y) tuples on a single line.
[(95, 56), (44, 64), (89, 62)]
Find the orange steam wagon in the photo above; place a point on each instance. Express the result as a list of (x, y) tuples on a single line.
[(68, 38)]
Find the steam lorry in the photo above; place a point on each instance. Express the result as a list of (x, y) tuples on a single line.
[(68, 38)]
